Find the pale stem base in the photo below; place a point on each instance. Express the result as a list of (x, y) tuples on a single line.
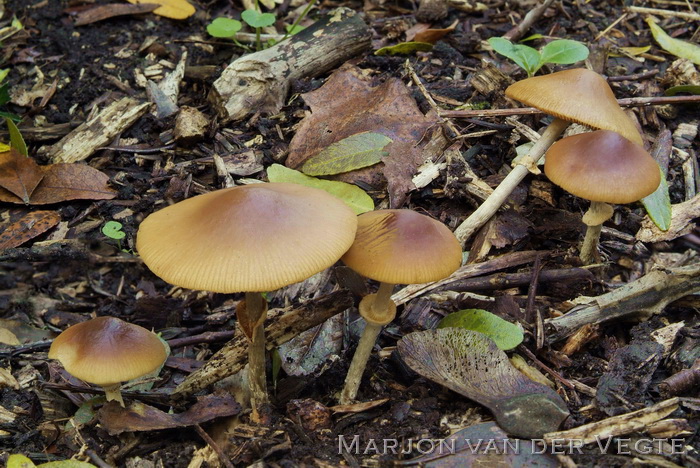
[(487, 209), (256, 353), (596, 215), (381, 311), (114, 393)]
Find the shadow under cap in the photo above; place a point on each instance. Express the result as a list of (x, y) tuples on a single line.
[(403, 247), (251, 238), (602, 166), (577, 95)]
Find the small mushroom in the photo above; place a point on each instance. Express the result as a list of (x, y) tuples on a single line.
[(394, 247), (576, 95), (106, 351), (603, 167), (252, 239)]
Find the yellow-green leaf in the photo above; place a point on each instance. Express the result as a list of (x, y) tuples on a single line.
[(354, 152), (4, 148), (675, 46), (16, 140), (175, 9), (355, 197), (66, 464), (672, 91), (19, 461), (405, 48), (634, 51)]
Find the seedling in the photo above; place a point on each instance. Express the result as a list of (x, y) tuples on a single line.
[(560, 51), (113, 230)]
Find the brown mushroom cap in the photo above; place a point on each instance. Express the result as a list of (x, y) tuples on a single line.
[(403, 247), (577, 95), (602, 166), (106, 350), (250, 238)]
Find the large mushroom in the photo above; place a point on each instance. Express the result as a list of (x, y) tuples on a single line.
[(576, 95), (603, 167), (106, 351), (394, 247), (250, 239)]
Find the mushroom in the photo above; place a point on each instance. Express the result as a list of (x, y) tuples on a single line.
[(603, 167), (576, 95), (250, 239), (394, 247), (106, 351)]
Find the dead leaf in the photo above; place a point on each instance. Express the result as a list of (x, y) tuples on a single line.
[(64, 182), (432, 35), (140, 417), (175, 9), (28, 227), (19, 175), (110, 10), (348, 104)]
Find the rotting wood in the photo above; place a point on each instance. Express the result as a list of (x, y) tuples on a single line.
[(99, 131), (281, 326), (259, 82), (639, 299), (431, 10)]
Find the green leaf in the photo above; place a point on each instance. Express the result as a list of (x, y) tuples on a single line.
[(532, 37), (4, 94), (354, 152), (405, 48), (10, 115), (524, 56), (506, 335), (355, 197), (3, 74), (690, 89), (19, 461), (16, 140), (113, 230), (563, 51), (658, 205), (258, 20), (675, 46), (224, 27)]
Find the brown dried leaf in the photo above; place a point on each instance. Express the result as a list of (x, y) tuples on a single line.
[(140, 417), (28, 227), (19, 176), (348, 104), (71, 182), (110, 10), (432, 35)]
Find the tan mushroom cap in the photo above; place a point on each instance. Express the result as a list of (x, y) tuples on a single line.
[(106, 350), (602, 166), (251, 238), (577, 95), (403, 247)]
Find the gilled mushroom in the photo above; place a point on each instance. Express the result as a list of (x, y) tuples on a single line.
[(603, 167), (394, 247), (106, 351), (577, 95), (250, 239)]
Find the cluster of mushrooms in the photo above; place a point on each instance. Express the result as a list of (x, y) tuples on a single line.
[(260, 237)]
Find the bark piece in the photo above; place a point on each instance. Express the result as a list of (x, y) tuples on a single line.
[(28, 227), (99, 131), (190, 126), (259, 82)]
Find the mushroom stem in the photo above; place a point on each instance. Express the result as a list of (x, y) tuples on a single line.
[(594, 218), (528, 163), (114, 393), (255, 308), (378, 310)]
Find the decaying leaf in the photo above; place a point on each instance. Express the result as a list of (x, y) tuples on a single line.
[(22, 180), (471, 364), (483, 445), (681, 223), (111, 10), (175, 9), (354, 152), (348, 104), (675, 46), (28, 227), (140, 417)]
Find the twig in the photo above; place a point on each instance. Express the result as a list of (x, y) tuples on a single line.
[(207, 337), (624, 102), (605, 31), (546, 368), (99, 462), (416, 80), (214, 446), (635, 76), (666, 13), (533, 15)]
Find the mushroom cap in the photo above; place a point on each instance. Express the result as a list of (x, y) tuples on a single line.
[(250, 238), (602, 166), (106, 350), (577, 95), (403, 247)]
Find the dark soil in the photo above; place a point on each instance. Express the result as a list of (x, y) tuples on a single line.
[(53, 289)]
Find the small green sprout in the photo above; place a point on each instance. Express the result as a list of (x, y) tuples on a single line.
[(560, 51), (113, 230), (258, 20)]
